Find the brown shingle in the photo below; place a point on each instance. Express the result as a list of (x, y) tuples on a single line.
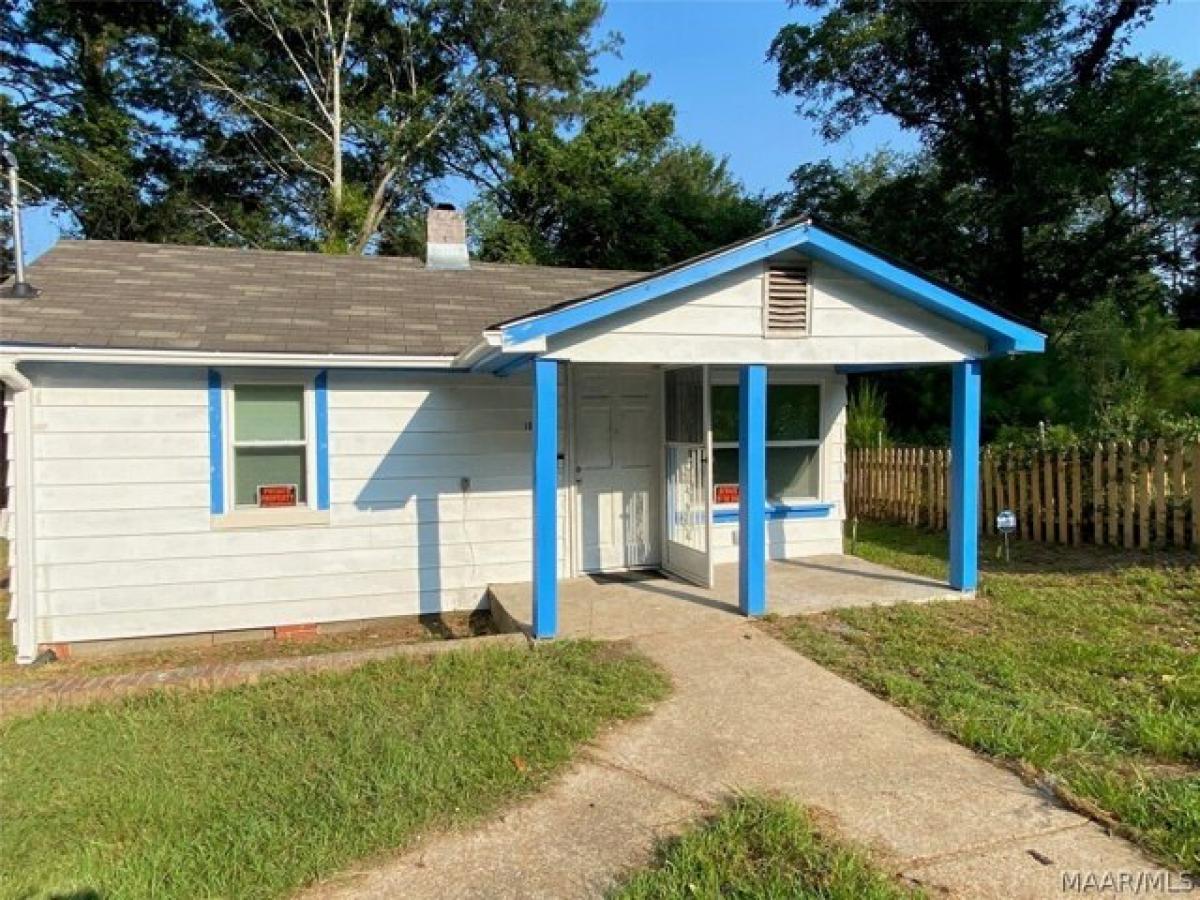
[(150, 296)]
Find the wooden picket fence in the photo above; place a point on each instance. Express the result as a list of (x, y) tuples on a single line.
[(1117, 494)]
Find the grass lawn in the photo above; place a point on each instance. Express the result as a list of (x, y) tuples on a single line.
[(1081, 667), (761, 848), (255, 791)]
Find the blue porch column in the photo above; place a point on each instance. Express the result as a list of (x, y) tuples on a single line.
[(752, 496), (545, 498), (964, 475)]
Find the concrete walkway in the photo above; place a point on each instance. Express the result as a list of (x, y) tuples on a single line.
[(750, 714)]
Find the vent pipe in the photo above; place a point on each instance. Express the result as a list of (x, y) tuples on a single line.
[(20, 288)]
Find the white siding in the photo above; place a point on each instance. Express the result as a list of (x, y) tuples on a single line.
[(127, 547), (852, 322)]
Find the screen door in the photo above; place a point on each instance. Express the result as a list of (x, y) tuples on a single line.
[(687, 496)]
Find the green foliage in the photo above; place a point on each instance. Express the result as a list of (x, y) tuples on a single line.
[(761, 847), (614, 189), (255, 791), (1052, 437), (1056, 179), (268, 123), (866, 423), (100, 114), (1081, 664)]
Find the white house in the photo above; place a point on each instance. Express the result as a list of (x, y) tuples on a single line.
[(211, 440)]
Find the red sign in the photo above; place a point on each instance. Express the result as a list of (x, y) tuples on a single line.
[(727, 493), (277, 495)]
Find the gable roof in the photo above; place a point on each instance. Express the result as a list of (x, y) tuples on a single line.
[(1005, 333), (133, 296)]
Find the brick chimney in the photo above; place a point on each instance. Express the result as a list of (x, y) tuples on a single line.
[(446, 238)]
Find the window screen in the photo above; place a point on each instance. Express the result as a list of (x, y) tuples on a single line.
[(269, 445)]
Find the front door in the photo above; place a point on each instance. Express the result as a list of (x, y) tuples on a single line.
[(615, 452)]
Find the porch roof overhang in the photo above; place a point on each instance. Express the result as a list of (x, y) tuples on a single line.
[(509, 344)]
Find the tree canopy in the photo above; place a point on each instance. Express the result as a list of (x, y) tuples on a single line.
[(1057, 177), (323, 124)]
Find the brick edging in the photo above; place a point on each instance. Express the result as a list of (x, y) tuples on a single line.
[(22, 699)]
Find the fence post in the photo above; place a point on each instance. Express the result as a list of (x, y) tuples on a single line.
[(1035, 491), (1178, 499), (1098, 494), (1160, 494), (1060, 503), (1142, 486), (1076, 496), (1129, 480), (1113, 508)]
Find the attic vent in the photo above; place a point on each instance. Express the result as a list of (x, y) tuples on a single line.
[(785, 308)]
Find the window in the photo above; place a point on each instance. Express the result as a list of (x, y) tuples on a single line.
[(270, 446), (793, 441)]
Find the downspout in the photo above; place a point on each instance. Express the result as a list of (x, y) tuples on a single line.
[(24, 587)]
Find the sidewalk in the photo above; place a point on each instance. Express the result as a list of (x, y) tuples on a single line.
[(750, 714)]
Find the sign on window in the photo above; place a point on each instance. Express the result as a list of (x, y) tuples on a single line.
[(727, 493), (272, 495)]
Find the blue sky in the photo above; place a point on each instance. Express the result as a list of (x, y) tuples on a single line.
[(708, 58)]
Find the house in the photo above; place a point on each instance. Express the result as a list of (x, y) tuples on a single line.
[(222, 441)]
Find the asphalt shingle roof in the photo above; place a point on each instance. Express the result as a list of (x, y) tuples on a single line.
[(116, 294)]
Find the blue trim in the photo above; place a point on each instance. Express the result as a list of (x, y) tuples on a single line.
[(545, 498), (216, 446), (777, 511), (1004, 335), (623, 298), (321, 391), (752, 481), (964, 475)]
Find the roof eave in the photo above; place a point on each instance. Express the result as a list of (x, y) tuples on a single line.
[(1004, 334), (135, 356)]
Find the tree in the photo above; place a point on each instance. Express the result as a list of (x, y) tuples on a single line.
[(93, 102), (998, 93), (570, 173), (1057, 178), (351, 105)]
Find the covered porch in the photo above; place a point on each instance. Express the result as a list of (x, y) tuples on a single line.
[(620, 606), (756, 584), (799, 298)]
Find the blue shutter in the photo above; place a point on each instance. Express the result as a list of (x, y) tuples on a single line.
[(216, 446), (321, 386)]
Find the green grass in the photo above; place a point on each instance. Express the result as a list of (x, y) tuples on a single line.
[(761, 848), (1079, 666), (255, 791)]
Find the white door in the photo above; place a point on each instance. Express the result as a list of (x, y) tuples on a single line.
[(616, 466), (687, 549)]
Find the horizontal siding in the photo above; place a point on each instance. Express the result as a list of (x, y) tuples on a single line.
[(721, 322), (786, 539), (127, 546)]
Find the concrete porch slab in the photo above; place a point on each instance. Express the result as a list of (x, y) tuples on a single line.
[(617, 607)]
